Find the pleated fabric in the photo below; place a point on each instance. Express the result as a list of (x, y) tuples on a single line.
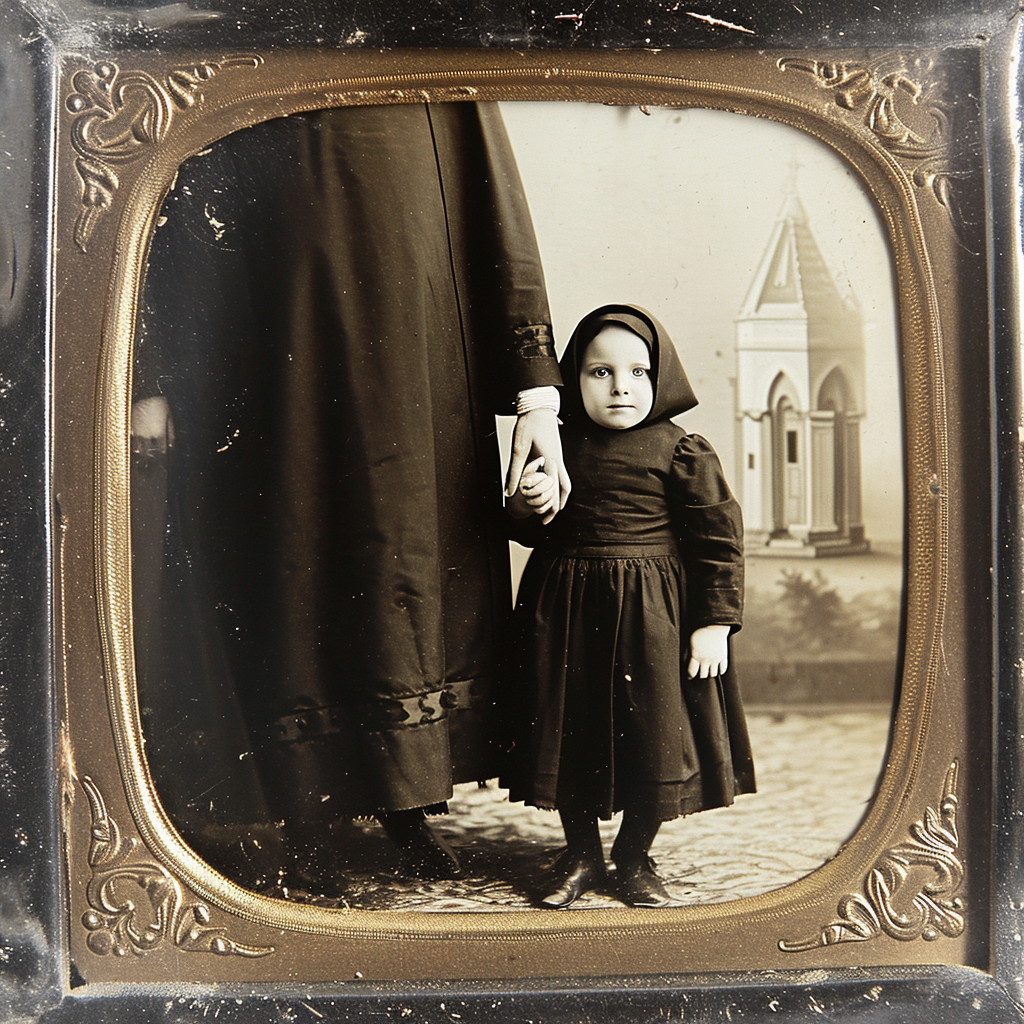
[(336, 306), (602, 714)]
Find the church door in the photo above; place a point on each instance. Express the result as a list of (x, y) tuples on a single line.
[(788, 468)]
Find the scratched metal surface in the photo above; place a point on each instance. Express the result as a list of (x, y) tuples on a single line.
[(32, 34), (540, 23), (29, 839)]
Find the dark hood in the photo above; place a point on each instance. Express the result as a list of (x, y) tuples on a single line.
[(672, 391)]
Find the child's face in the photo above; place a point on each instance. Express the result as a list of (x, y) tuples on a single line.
[(615, 378)]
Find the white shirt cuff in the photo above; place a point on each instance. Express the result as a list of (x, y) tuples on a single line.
[(547, 397)]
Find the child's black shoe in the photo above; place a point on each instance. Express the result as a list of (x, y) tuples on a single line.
[(639, 886), (571, 877)]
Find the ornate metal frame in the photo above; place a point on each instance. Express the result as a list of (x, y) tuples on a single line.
[(918, 918), (905, 121)]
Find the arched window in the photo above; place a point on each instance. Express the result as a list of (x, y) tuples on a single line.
[(834, 396), (788, 456)]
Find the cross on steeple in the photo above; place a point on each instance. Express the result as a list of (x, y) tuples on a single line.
[(789, 187)]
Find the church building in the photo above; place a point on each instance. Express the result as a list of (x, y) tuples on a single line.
[(800, 392)]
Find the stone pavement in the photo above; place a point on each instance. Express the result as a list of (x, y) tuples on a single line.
[(817, 771)]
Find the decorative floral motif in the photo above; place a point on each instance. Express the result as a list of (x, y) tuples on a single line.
[(873, 91), (122, 114), (117, 924), (935, 909)]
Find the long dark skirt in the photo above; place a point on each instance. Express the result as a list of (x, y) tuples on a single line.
[(327, 314), (604, 715)]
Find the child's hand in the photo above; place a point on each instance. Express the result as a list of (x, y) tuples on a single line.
[(539, 490), (537, 493), (709, 652), (536, 433)]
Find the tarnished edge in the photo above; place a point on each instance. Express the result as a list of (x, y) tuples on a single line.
[(889, 178)]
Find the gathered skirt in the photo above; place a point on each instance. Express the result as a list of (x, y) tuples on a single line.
[(600, 713)]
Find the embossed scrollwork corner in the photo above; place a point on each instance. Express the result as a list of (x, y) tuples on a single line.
[(121, 115), (117, 924), (879, 94), (935, 909)]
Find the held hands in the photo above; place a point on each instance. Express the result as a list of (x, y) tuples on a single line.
[(709, 652), (537, 493), (536, 434)]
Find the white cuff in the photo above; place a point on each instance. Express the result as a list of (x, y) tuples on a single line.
[(538, 398)]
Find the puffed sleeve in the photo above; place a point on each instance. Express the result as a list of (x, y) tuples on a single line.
[(709, 527)]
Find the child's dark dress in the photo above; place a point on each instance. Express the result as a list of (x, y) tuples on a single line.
[(648, 549)]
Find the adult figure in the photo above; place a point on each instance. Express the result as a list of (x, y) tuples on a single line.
[(336, 306)]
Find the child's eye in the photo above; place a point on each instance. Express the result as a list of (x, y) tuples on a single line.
[(639, 371), (601, 371)]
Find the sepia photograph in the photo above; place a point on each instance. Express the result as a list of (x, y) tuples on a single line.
[(512, 513), (517, 506)]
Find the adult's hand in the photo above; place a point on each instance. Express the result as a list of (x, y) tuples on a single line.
[(536, 434)]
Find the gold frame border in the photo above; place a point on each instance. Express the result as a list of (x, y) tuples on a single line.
[(283, 87)]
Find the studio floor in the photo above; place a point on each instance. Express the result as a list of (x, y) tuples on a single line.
[(817, 772)]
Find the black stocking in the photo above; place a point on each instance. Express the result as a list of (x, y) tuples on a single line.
[(636, 833), (582, 837)]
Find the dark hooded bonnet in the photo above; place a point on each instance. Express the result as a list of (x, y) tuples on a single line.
[(672, 391)]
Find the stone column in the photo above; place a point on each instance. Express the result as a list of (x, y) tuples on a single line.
[(854, 513), (822, 471)]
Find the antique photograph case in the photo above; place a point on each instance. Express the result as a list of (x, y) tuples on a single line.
[(239, 539), (303, 655)]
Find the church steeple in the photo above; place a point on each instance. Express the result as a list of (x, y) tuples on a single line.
[(792, 280), (800, 396)]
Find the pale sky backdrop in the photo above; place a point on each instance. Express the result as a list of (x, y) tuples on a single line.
[(673, 210)]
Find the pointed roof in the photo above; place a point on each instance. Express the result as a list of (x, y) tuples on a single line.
[(792, 280)]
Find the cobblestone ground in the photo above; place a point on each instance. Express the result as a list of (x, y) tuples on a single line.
[(817, 771)]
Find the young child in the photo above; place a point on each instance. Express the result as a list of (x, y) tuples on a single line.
[(625, 610)]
